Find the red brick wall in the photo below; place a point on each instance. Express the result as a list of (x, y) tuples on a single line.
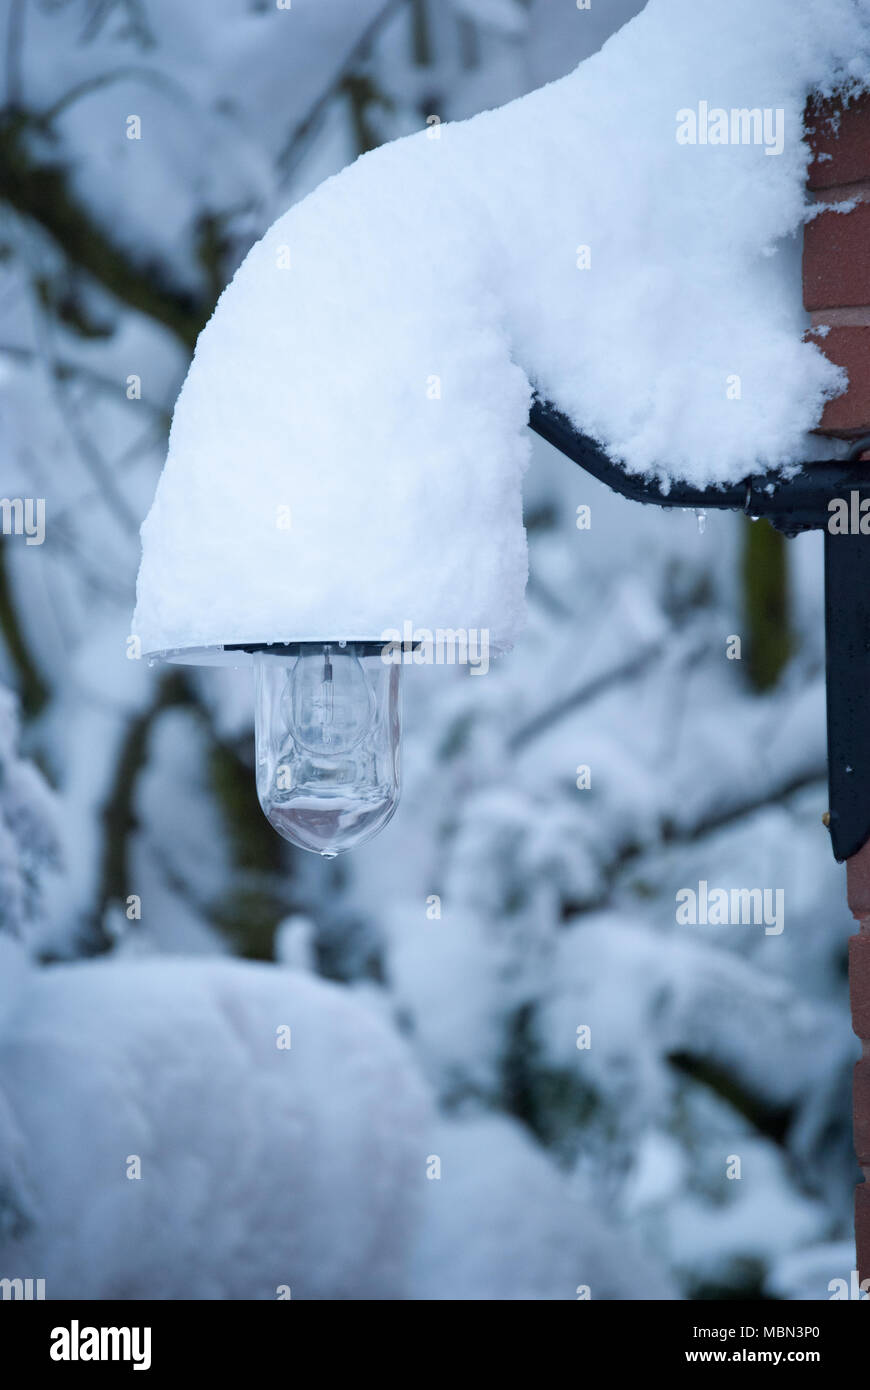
[(837, 255)]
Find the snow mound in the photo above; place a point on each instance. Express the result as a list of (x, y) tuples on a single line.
[(347, 450), (261, 1166)]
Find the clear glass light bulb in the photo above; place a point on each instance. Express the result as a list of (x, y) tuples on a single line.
[(327, 725)]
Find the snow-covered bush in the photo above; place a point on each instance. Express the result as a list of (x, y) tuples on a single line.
[(208, 1129)]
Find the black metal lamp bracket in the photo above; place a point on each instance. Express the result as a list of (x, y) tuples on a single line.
[(792, 505)]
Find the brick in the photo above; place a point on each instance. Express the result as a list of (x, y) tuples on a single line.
[(859, 982), (858, 317), (846, 152), (848, 415), (862, 1229), (837, 259), (858, 885), (861, 1104)]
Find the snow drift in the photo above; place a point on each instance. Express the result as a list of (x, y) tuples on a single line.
[(348, 448)]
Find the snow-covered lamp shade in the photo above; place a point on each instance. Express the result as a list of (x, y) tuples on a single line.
[(320, 499), (347, 451)]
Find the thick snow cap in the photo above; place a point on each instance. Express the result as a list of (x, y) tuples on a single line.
[(348, 448)]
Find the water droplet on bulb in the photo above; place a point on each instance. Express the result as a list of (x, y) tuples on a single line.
[(702, 522), (329, 854)]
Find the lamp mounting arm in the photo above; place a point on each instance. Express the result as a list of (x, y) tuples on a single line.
[(793, 505)]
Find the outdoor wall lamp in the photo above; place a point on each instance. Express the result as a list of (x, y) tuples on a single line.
[(801, 503), (347, 450), (328, 713)]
